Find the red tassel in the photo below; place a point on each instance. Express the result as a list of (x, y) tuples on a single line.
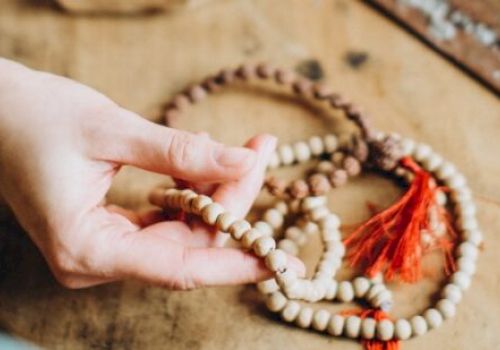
[(374, 344), (390, 241)]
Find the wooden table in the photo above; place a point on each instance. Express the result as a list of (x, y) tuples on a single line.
[(140, 61)]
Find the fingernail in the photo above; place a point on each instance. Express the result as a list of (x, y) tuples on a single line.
[(235, 157)]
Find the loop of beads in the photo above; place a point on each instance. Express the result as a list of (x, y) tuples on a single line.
[(306, 199)]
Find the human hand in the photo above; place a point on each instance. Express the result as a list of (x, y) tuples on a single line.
[(61, 143)]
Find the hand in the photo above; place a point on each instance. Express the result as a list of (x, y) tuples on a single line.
[(61, 143)]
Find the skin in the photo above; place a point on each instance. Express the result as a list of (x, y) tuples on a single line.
[(62, 142)]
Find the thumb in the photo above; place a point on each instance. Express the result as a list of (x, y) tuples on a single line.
[(181, 154)]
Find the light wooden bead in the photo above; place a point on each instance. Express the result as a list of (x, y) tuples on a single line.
[(336, 325), (268, 286), (274, 218), (295, 234), (473, 236), (368, 327), (467, 223), (274, 161), (305, 317), (286, 155), (461, 279), (418, 325), (319, 213), (310, 203), (375, 289), (282, 207), (468, 250), (383, 300), (264, 245), (452, 292), (291, 311), (432, 162), (331, 142), (320, 319), (287, 277), (345, 292), (336, 247), (250, 237), (224, 221), (288, 246), (302, 151), (461, 194), (276, 302), (331, 235), (325, 167), (407, 146), (330, 221), (211, 212), (446, 170), (422, 151), (264, 227), (433, 317), (402, 329), (187, 198), (199, 203), (385, 330), (316, 145), (446, 308), (337, 159), (361, 286), (467, 265), (456, 181), (309, 228), (238, 228), (331, 290), (352, 327), (295, 290), (466, 208), (276, 260)]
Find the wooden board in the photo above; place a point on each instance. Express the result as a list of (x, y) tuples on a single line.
[(464, 49), (141, 61)]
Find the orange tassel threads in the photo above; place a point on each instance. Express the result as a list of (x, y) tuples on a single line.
[(390, 242)]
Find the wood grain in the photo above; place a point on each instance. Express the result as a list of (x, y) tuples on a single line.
[(141, 61)]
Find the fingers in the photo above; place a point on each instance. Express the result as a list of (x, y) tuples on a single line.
[(187, 156)]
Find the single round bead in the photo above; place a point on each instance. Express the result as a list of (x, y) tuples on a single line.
[(263, 245), (197, 93), (338, 178), (337, 248), (282, 207), (276, 301), (274, 161), (352, 327), (328, 235), (368, 328), (361, 286), (467, 223), (211, 212), (461, 279), (446, 308), (224, 221), (456, 181), (316, 145), (385, 330), (291, 311), (288, 246), (286, 277), (299, 189), (352, 166), (422, 151), (286, 155), (383, 299), (250, 237), (446, 170), (320, 319), (330, 221), (274, 218), (264, 227), (305, 317), (467, 265), (265, 70), (473, 236), (336, 325), (285, 76), (337, 159), (345, 292), (319, 184), (375, 289), (331, 142), (302, 151), (418, 325), (407, 146), (468, 250), (452, 292), (276, 260), (295, 234), (310, 203), (268, 286), (433, 317), (238, 228), (432, 162), (402, 329), (331, 290)]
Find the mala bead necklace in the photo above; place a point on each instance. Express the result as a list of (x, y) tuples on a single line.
[(391, 243)]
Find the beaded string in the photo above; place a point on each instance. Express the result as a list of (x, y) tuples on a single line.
[(382, 153)]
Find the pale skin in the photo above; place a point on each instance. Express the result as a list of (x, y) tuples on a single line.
[(61, 143)]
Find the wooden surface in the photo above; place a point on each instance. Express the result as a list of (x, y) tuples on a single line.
[(140, 61)]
